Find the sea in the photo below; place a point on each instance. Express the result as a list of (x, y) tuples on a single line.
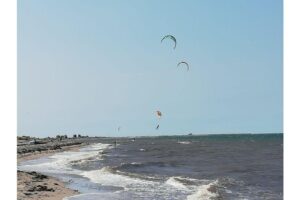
[(192, 167)]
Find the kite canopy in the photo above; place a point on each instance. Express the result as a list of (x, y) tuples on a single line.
[(158, 113), (185, 63), (170, 37)]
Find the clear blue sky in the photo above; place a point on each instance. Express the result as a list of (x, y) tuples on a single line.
[(89, 66)]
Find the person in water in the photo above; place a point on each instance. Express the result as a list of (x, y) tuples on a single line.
[(115, 143)]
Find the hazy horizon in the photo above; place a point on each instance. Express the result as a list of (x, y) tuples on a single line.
[(153, 135), (88, 67)]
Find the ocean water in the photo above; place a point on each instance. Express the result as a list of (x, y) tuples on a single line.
[(235, 166)]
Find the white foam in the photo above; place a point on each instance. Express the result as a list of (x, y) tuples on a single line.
[(184, 142), (93, 196), (228, 191), (140, 187), (95, 147), (105, 177), (61, 162), (203, 192), (135, 163), (173, 181)]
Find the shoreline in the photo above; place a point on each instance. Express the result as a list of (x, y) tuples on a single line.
[(32, 185), (36, 155)]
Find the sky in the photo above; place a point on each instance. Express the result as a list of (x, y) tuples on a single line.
[(88, 67)]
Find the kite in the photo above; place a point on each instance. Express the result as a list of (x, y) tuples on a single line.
[(185, 63), (158, 113), (170, 37)]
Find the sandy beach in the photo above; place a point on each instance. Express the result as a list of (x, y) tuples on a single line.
[(33, 185)]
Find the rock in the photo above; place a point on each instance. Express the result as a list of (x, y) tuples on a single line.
[(37, 176), (41, 176), (40, 188), (33, 173)]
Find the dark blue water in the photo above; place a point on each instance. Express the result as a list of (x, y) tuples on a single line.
[(185, 167)]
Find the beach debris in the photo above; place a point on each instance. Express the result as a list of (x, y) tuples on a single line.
[(170, 37), (185, 63)]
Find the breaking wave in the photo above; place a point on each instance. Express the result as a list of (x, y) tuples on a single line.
[(205, 192), (61, 163)]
